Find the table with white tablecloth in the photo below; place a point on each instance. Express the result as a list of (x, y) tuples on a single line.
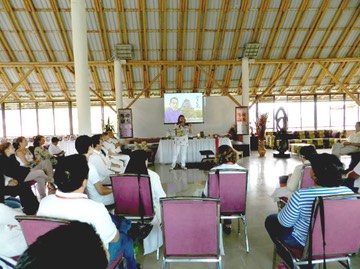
[(166, 148)]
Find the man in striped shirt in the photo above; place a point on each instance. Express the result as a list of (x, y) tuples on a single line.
[(291, 224)]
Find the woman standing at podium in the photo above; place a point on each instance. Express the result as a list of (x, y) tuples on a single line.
[(181, 141)]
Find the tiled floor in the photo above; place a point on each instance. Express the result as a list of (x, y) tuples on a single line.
[(263, 179)]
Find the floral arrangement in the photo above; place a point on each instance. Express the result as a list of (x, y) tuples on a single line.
[(261, 126), (143, 146), (109, 127)]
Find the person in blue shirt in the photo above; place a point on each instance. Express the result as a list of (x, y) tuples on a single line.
[(291, 224)]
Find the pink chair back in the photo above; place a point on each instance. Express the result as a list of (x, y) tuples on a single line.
[(342, 226), (306, 180), (183, 236), (35, 226), (129, 191), (230, 186)]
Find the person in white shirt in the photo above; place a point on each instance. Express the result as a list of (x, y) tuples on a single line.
[(12, 240), (181, 142), (70, 202), (103, 165), (54, 149), (111, 150), (352, 144), (95, 185)]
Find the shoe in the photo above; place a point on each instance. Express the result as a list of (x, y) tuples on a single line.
[(226, 229), (172, 167), (183, 167)]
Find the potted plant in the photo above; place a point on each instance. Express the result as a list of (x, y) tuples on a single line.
[(260, 131)]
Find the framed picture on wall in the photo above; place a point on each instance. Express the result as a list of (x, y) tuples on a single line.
[(242, 120), (125, 123)]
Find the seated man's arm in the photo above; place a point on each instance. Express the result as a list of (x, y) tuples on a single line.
[(102, 190)]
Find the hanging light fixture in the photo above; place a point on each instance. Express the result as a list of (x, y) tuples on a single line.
[(251, 50), (124, 52)]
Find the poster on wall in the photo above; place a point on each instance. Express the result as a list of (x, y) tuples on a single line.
[(242, 120), (125, 123)]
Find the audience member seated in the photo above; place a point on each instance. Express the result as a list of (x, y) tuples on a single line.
[(12, 168), (11, 188), (26, 158), (95, 189), (54, 149), (352, 179), (112, 143), (292, 181), (226, 158), (12, 239), (40, 152), (72, 246), (352, 144), (111, 150), (70, 202), (103, 165), (291, 224), (138, 165)]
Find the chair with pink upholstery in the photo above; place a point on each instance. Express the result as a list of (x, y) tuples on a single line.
[(35, 226), (333, 238), (133, 198), (184, 239), (230, 186)]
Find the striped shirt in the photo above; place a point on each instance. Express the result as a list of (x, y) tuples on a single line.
[(297, 212)]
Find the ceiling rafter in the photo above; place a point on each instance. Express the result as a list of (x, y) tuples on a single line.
[(23, 41), (163, 43), (218, 41), (45, 44), (201, 21), (144, 48), (124, 38)]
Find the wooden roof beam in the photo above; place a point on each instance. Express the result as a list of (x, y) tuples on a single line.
[(145, 89), (219, 85), (352, 96), (13, 89), (268, 89)]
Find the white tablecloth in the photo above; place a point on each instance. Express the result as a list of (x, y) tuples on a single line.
[(165, 150)]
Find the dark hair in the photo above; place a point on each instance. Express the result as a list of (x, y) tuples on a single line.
[(4, 146), (82, 144), (178, 121), (307, 152), (327, 169), (95, 140), (137, 163), (37, 140), (17, 142), (70, 172), (83, 249), (54, 139), (225, 154)]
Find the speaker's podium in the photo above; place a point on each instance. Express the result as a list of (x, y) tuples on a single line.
[(207, 162)]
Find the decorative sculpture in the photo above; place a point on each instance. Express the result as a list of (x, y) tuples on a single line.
[(281, 138)]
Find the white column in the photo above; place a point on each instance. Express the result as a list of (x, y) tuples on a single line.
[(118, 90), (245, 89), (118, 84), (79, 35)]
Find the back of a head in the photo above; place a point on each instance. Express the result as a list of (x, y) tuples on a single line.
[(137, 163), (307, 152), (225, 154), (54, 139), (328, 169), (71, 172), (72, 246), (82, 144), (95, 139)]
